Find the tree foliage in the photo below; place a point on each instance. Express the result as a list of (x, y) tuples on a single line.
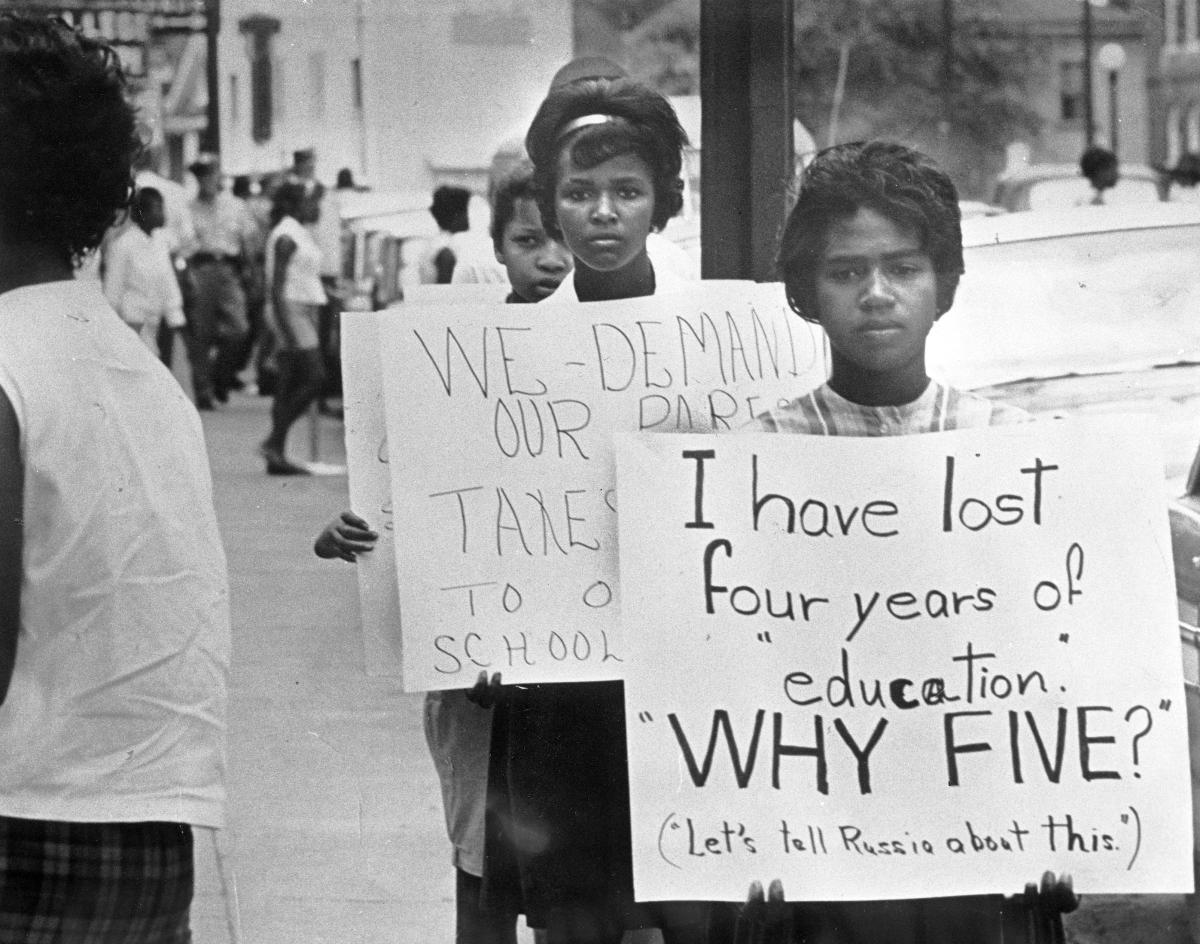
[(894, 81), (895, 87)]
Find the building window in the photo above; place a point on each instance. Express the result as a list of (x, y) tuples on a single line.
[(1171, 36), (1070, 95), (260, 33), (1191, 130), (491, 28), (1174, 138), (1181, 30), (316, 86)]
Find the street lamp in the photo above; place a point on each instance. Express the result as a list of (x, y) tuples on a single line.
[(1111, 57)]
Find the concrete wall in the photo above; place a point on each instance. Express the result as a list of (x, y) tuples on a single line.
[(443, 84)]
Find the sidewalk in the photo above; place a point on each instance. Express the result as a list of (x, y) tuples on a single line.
[(336, 820), (336, 832)]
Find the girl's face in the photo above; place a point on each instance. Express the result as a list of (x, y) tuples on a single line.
[(605, 211), (535, 263), (877, 301)]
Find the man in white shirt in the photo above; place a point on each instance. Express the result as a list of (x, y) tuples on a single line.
[(139, 277), (224, 234)]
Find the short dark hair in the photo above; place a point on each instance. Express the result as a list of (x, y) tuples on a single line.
[(450, 206), (640, 121), (287, 200), (67, 136), (516, 185), (142, 199), (895, 181), (1096, 160)]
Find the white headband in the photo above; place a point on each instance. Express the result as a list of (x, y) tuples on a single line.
[(583, 121)]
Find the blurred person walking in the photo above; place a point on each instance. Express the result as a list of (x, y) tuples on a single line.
[(217, 320), (139, 276), (114, 599), (176, 234), (253, 281), (294, 299)]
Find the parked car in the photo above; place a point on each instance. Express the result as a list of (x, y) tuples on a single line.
[(1096, 310), (1055, 186), (1091, 309)]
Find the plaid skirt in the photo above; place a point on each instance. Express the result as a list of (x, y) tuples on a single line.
[(94, 883)]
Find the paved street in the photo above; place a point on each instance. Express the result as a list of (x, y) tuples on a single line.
[(336, 826)]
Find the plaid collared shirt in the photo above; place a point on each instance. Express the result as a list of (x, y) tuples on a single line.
[(822, 412)]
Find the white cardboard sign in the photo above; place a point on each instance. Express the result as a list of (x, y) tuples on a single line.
[(902, 667), (499, 431)]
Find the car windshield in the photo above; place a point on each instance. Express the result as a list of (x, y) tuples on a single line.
[(1084, 304)]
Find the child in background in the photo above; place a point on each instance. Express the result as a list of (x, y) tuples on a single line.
[(536, 264), (139, 276), (872, 251), (458, 731)]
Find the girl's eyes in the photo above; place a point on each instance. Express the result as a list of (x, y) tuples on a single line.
[(580, 194), (845, 274), (895, 270)]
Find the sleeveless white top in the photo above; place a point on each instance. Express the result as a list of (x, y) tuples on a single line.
[(302, 282), (116, 710)]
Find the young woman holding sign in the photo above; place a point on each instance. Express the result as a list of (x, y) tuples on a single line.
[(872, 252), (607, 154)]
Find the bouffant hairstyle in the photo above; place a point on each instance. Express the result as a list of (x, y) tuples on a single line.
[(895, 181), (288, 200), (515, 185), (630, 118), (67, 136)]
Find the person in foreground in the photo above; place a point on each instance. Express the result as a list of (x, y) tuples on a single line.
[(872, 252), (114, 600)]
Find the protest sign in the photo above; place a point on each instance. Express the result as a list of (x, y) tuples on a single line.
[(499, 424), (905, 666), (371, 487)]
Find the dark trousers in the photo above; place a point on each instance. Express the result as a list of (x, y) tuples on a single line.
[(217, 327), (298, 381), (475, 924)]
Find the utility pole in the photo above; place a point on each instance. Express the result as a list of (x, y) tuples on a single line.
[(1089, 115), (947, 70), (747, 159), (212, 75)]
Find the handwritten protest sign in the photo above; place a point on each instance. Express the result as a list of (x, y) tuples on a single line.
[(371, 487), (499, 424), (902, 667)]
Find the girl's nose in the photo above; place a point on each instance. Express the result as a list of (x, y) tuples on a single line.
[(604, 209), (877, 290), (552, 260)]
